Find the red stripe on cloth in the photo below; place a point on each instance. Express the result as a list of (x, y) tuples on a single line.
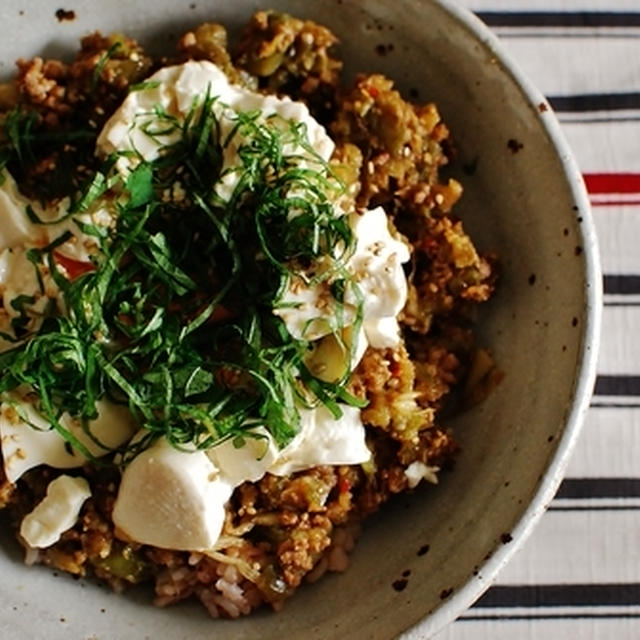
[(612, 182), (614, 203)]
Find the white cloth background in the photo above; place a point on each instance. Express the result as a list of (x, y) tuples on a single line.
[(578, 576)]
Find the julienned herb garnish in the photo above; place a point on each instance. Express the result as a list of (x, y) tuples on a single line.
[(176, 318)]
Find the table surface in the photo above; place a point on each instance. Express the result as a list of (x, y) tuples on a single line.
[(578, 575)]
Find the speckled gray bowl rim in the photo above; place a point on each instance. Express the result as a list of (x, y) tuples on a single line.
[(467, 594)]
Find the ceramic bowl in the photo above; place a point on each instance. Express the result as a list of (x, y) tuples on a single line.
[(524, 200)]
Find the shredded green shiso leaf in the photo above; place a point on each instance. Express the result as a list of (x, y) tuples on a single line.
[(175, 320)]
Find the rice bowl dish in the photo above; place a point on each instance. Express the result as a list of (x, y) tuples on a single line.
[(423, 472)]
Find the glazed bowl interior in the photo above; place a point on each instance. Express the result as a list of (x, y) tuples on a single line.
[(524, 201)]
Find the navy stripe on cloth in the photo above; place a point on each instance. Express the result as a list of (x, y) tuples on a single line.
[(628, 100), (621, 385), (560, 18), (561, 595), (587, 488), (621, 284)]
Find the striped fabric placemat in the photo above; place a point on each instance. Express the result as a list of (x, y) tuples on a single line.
[(578, 576)]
